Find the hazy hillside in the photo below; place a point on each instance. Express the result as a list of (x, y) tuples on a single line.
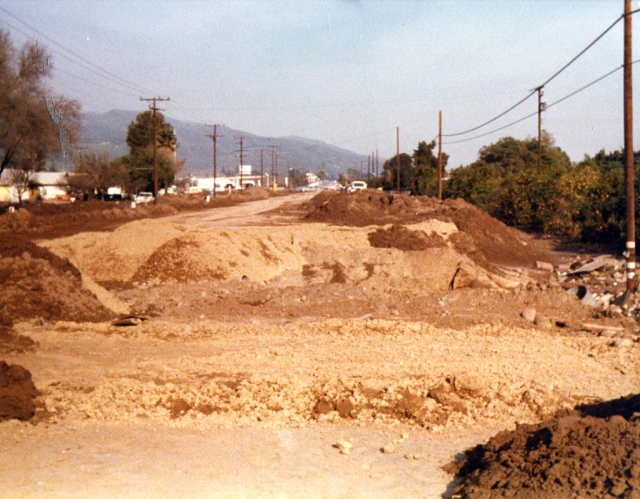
[(109, 130)]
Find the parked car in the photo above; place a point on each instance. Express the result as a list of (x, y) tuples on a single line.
[(357, 185), (144, 197)]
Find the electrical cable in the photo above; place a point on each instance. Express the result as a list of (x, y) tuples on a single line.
[(546, 107), (98, 68), (539, 86)]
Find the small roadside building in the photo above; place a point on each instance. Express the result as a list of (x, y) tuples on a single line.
[(42, 185)]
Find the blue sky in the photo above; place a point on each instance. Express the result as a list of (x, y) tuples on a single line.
[(344, 72)]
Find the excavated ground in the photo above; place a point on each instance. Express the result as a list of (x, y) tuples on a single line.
[(355, 312)]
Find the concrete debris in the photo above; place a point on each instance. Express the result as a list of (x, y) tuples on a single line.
[(529, 314), (546, 266), (388, 449), (344, 446), (130, 320), (600, 283), (599, 263)]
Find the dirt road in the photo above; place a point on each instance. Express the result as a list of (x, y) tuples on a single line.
[(290, 359)]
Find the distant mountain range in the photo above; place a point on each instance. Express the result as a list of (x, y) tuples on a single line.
[(108, 131)]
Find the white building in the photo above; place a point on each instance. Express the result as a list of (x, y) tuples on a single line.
[(43, 185)]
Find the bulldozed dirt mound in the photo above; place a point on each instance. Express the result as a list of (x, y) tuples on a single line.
[(481, 237), (36, 284), (591, 451)]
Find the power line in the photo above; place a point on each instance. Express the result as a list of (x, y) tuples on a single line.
[(491, 120), (539, 86), (108, 74), (546, 107), (584, 50)]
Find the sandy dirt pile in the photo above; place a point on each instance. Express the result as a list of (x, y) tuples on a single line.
[(588, 452), (149, 253)]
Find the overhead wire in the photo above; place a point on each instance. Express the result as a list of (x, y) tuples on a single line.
[(103, 73), (557, 73), (613, 71)]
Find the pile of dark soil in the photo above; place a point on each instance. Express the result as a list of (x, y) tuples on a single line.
[(592, 451), (38, 284), (483, 238), (398, 236), (17, 392)]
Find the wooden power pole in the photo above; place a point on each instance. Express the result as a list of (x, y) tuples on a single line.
[(628, 149), (155, 144), (215, 169), (398, 156), (540, 109), (440, 155)]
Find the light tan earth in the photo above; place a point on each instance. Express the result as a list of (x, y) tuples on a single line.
[(292, 359)]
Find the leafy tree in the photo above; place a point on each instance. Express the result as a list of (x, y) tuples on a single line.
[(354, 174), (139, 165), (95, 173), (505, 182), (139, 161), (390, 172), (33, 122), (296, 178), (140, 132), (478, 183), (425, 175), (322, 173)]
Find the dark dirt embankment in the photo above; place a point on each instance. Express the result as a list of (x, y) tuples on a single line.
[(591, 451), (483, 238)]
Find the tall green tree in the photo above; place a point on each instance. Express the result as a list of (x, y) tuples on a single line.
[(140, 132), (425, 164), (390, 172), (35, 124), (139, 161)]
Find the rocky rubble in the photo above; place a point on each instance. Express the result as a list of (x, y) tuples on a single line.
[(600, 282)]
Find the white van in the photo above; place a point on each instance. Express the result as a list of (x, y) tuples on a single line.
[(357, 185)]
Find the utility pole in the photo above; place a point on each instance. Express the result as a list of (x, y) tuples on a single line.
[(540, 109), (261, 167), (440, 156), (398, 156), (241, 151), (215, 169), (628, 149), (274, 168), (155, 144), (368, 168), (377, 170)]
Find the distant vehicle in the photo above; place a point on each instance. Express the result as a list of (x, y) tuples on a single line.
[(144, 197), (357, 185), (168, 190), (193, 190)]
